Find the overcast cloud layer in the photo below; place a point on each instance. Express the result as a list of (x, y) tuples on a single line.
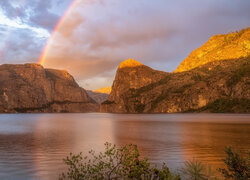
[(98, 34)]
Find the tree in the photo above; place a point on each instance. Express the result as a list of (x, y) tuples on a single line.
[(114, 163), (238, 167)]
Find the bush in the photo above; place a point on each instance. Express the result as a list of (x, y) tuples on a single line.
[(196, 170), (237, 166), (126, 163), (114, 163)]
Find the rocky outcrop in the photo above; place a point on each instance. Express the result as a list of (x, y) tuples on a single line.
[(219, 47), (31, 88), (202, 83)]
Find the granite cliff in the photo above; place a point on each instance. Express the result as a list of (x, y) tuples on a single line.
[(216, 80), (132, 74), (31, 88)]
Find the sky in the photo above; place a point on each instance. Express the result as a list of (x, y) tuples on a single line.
[(94, 36)]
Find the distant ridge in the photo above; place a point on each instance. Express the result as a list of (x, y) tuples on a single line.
[(105, 90)]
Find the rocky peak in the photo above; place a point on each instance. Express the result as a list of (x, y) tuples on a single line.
[(219, 47), (132, 74), (129, 63)]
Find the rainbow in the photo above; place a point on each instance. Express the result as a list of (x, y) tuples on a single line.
[(56, 29)]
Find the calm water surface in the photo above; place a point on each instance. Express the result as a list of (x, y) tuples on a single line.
[(32, 146)]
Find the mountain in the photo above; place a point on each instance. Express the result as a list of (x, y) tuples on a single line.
[(98, 96), (219, 47), (198, 85), (130, 75), (31, 88), (104, 90)]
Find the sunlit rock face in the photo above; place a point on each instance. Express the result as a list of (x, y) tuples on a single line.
[(207, 86), (219, 47), (130, 75), (129, 63), (31, 88), (105, 90)]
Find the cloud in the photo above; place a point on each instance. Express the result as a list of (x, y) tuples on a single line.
[(98, 34), (42, 17), (11, 11), (35, 13), (25, 27), (21, 47)]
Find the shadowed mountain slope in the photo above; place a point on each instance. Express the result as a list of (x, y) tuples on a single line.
[(31, 88)]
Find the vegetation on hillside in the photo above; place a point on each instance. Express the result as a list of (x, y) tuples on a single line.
[(231, 72), (225, 105), (126, 163)]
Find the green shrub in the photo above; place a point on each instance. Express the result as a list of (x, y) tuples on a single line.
[(196, 170), (114, 163), (237, 166), (126, 163)]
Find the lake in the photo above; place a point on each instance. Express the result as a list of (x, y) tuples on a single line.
[(32, 146)]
